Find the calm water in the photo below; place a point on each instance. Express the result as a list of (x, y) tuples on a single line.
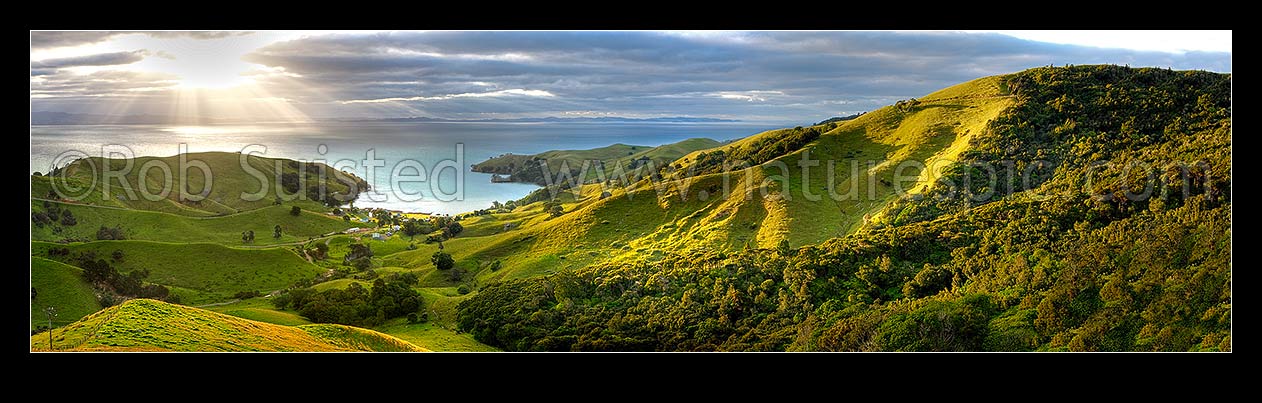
[(426, 143)]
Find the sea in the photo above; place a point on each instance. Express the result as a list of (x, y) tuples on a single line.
[(439, 153)]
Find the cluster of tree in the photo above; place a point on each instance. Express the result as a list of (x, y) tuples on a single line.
[(318, 251), (443, 261), (246, 294), (906, 105), (359, 256), (496, 207), (113, 287), (247, 236), (449, 226), (413, 227), (53, 214), (388, 298), (1070, 272), (553, 207), (387, 218), (110, 233)]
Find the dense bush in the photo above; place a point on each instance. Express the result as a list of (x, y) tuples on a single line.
[(354, 305)]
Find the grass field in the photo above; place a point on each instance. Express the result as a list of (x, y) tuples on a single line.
[(260, 309), (432, 336), (62, 287), (148, 325), (166, 227), (212, 273)]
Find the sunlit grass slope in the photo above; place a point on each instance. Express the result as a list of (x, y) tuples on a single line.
[(148, 325)]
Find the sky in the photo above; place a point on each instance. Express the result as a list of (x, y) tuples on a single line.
[(777, 76)]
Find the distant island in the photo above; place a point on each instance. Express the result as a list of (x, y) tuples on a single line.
[(528, 168)]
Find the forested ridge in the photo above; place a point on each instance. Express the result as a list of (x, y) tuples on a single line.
[(1111, 231)]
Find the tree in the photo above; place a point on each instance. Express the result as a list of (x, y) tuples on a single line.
[(67, 218), (251, 236), (412, 228), (295, 211), (555, 209), (321, 250), (452, 229), (108, 233), (245, 237), (276, 231), (443, 260), (346, 218), (117, 255)]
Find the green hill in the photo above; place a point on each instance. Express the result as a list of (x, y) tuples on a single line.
[(167, 227), (1081, 258), (232, 176), (61, 287), (199, 272), (148, 325)]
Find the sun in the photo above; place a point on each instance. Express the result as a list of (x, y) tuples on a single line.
[(199, 63)]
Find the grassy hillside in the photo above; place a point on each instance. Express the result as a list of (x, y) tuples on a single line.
[(62, 287), (201, 273), (765, 203), (167, 227), (232, 175), (148, 325)]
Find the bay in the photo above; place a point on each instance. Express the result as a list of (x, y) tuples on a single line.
[(428, 144)]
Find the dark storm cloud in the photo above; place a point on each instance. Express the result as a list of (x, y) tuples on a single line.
[(100, 59)]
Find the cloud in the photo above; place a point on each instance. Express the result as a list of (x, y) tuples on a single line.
[(500, 93), (787, 76), (189, 34), (747, 96), (105, 83), (57, 39), (100, 59)]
